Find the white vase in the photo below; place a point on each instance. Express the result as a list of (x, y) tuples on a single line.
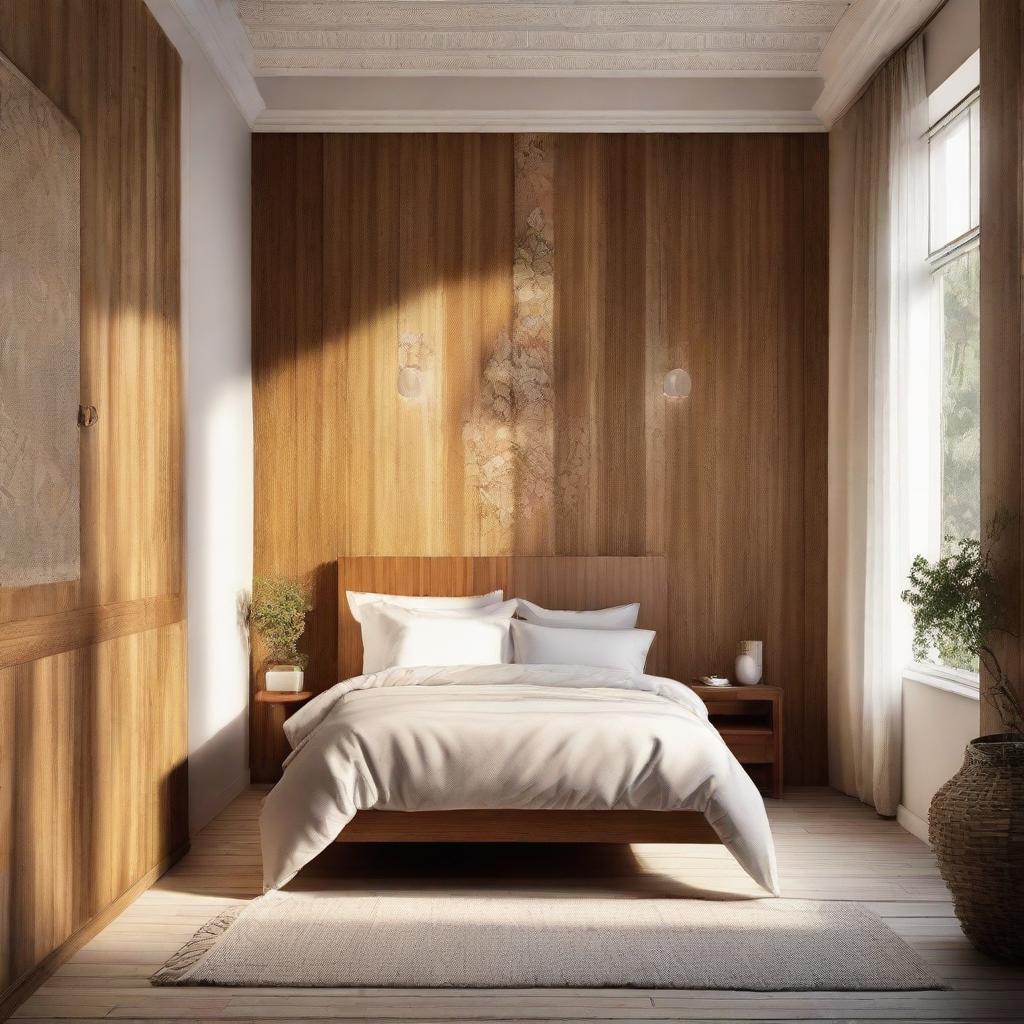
[(748, 662), (284, 678)]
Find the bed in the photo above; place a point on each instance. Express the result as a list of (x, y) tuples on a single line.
[(510, 753)]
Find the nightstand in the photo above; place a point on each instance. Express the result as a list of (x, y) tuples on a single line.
[(749, 719), (270, 719)]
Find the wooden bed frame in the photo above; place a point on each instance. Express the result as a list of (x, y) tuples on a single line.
[(577, 582)]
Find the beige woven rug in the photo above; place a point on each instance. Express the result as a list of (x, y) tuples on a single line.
[(343, 941)]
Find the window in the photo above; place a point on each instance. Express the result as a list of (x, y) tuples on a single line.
[(953, 172), (948, 451)]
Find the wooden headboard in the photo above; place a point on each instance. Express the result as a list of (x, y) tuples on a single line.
[(555, 581)]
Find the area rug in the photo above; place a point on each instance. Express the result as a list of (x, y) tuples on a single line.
[(395, 941)]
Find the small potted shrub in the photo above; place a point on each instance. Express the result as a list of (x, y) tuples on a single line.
[(976, 820), (278, 614)]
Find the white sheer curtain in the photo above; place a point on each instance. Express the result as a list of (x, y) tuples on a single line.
[(878, 303)]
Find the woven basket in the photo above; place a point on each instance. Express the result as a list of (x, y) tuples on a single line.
[(977, 831)]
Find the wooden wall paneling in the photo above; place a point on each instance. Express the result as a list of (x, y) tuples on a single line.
[(810, 716), (68, 80), (287, 296), (101, 291), (665, 344), (276, 184), (93, 793), (497, 213), (316, 381), (696, 221), (94, 790), (621, 396), (580, 264), (1002, 319), (459, 241), (371, 339), (705, 252), (125, 104), (420, 337), (786, 377), (45, 635)]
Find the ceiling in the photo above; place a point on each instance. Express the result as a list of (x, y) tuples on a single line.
[(547, 65), (507, 37)]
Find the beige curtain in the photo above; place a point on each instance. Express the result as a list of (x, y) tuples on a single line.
[(878, 299)]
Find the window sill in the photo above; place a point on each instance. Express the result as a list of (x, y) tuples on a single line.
[(963, 684)]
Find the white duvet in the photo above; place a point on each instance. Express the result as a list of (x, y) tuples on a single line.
[(529, 737)]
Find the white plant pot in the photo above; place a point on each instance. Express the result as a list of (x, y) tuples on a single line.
[(748, 662), (284, 678)]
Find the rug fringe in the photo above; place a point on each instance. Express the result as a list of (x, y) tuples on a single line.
[(178, 969)]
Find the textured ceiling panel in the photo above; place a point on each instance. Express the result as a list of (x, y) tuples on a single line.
[(505, 36)]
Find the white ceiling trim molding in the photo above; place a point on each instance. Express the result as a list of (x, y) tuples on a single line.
[(538, 121), (215, 26), (870, 32)]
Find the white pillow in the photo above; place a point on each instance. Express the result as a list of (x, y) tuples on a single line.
[(403, 637), (357, 600), (622, 616), (600, 648)]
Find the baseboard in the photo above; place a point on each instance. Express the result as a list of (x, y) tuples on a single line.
[(204, 809), (912, 823), (12, 997)]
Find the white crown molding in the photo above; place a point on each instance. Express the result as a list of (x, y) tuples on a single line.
[(215, 26), (538, 121), (868, 34)]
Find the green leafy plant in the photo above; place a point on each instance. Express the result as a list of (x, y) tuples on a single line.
[(278, 613), (957, 609)]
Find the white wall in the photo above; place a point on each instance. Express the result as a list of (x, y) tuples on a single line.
[(937, 726), (218, 421), (953, 35)]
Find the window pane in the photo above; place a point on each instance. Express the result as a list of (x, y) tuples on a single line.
[(975, 164), (961, 394), (949, 159), (961, 412)]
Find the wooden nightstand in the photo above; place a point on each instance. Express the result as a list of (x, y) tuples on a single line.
[(749, 719), (276, 708)]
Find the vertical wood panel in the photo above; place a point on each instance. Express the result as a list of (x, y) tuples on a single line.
[(580, 260), (420, 333), (93, 791), (706, 252), (622, 395), (810, 717), (495, 201), (94, 784), (1002, 320)]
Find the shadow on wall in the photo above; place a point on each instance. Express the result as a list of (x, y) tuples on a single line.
[(217, 772)]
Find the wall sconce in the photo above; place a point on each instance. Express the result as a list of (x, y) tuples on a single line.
[(677, 384), (410, 383)]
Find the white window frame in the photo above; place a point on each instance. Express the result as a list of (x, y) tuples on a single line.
[(924, 399)]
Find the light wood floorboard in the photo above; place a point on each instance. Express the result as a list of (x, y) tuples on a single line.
[(830, 847)]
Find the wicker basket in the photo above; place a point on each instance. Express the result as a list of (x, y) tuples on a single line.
[(977, 831)]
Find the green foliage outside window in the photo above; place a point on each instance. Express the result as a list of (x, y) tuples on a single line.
[(961, 400)]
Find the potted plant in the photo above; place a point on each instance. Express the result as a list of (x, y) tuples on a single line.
[(976, 820), (278, 614)]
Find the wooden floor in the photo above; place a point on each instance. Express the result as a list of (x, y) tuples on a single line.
[(830, 848)]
